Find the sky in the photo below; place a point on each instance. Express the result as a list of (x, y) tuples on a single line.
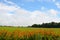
[(28, 12)]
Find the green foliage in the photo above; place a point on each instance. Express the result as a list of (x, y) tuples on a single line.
[(47, 25)]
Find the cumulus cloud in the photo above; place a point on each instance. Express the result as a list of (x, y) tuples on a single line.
[(53, 12), (15, 15), (12, 15), (43, 17)]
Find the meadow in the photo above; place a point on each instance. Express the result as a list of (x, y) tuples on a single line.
[(26, 33)]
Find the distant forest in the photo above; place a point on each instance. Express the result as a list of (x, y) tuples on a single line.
[(47, 25), (43, 25)]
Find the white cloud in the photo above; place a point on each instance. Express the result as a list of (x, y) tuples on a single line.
[(48, 16), (7, 18), (28, 0), (38, 0), (15, 15), (43, 8), (53, 12), (9, 2), (54, 0), (47, 0), (58, 4), (5, 7)]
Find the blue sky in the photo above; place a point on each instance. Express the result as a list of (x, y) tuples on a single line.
[(35, 4), (28, 12)]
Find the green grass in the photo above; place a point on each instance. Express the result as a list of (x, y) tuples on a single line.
[(3, 36), (57, 30)]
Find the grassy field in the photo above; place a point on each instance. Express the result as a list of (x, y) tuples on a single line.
[(11, 29), (25, 33)]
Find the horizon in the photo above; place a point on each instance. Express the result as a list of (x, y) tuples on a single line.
[(28, 12)]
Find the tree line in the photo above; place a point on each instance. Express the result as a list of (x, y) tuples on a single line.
[(47, 25)]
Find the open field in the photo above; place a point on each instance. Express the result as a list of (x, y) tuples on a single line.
[(11, 29), (21, 33)]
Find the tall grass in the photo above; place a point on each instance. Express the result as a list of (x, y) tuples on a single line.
[(29, 35)]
